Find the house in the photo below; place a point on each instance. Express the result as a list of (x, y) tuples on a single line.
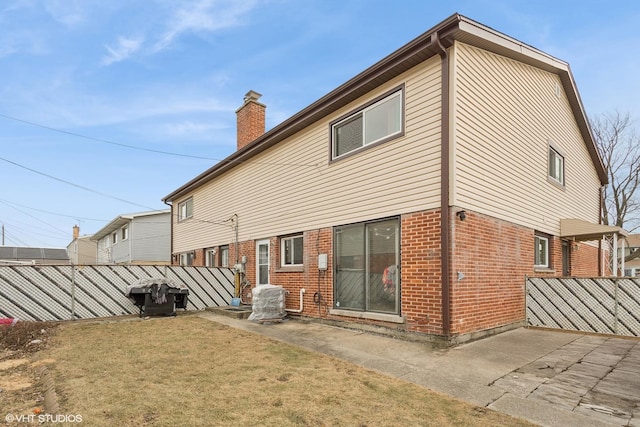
[(20, 255), (632, 256), (415, 197), (137, 238), (82, 250)]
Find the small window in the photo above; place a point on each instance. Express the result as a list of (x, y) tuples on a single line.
[(186, 258), (114, 238), (211, 257), (556, 166), (124, 232), (185, 209), (541, 250), (224, 256), (374, 123), (291, 250)]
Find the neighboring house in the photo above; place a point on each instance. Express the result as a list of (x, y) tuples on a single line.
[(16, 255), (137, 238), (416, 196), (82, 250), (632, 256)]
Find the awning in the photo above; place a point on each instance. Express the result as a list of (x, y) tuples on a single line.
[(580, 230)]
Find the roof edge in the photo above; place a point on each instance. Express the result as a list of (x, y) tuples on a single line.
[(454, 27)]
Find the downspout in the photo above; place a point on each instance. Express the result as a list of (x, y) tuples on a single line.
[(444, 186), (600, 257), (130, 231), (170, 232)]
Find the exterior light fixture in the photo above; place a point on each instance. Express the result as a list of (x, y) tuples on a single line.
[(462, 215)]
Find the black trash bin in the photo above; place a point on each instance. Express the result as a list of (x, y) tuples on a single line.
[(158, 296)]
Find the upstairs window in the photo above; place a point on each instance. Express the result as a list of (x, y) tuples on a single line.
[(556, 166), (185, 209), (124, 232), (291, 250), (114, 238), (375, 123)]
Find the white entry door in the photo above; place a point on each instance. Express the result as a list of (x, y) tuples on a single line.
[(262, 262)]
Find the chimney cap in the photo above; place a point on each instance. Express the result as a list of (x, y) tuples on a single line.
[(252, 95)]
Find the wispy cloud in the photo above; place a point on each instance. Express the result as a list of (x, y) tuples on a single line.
[(204, 16), (123, 50), (67, 12)]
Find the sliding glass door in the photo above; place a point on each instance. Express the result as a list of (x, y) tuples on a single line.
[(367, 260)]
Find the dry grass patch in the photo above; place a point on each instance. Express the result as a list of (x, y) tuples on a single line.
[(20, 382), (194, 372)]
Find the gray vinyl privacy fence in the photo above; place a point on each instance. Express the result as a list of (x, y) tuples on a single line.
[(602, 305), (62, 292)]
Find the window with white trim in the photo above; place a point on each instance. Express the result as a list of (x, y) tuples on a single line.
[(210, 258), (185, 209), (291, 251), (224, 256), (377, 122), (556, 166), (186, 258), (114, 238), (124, 232), (541, 252)]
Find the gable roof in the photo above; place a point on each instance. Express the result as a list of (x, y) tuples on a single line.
[(22, 253), (425, 46), (122, 220)]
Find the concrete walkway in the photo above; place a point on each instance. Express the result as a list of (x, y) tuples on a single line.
[(549, 378)]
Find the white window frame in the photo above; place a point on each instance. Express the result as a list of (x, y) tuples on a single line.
[(290, 263), (363, 113), (556, 166), (185, 209), (224, 256), (218, 257), (537, 263), (186, 258), (124, 233), (210, 258), (114, 238)]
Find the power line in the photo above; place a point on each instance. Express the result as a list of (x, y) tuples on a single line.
[(36, 218), (12, 204), (133, 147), (105, 141), (76, 185)]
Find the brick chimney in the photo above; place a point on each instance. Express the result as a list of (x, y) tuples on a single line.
[(76, 232), (250, 119)]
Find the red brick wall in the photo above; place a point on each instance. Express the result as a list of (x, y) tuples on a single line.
[(318, 285), (584, 260), (420, 272), (199, 258), (493, 257)]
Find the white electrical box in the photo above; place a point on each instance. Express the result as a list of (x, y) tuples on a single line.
[(322, 261), (239, 268)]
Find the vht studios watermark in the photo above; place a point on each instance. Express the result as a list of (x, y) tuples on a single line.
[(43, 418)]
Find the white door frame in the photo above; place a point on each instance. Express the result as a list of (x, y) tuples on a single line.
[(258, 244)]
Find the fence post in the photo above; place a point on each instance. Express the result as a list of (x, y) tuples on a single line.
[(615, 307), (73, 292)]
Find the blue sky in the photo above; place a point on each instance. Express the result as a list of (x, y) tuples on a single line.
[(84, 81)]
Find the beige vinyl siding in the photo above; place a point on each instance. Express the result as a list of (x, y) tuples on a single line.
[(293, 186), (506, 113)]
